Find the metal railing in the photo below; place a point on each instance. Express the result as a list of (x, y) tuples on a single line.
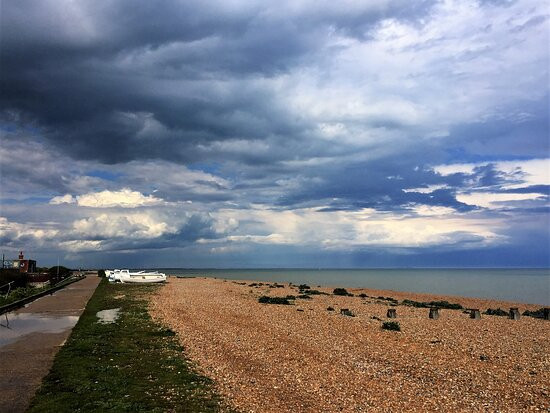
[(19, 303), (9, 288)]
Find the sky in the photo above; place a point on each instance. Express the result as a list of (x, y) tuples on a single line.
[(275, 134)]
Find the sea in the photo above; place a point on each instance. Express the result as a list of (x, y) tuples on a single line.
[(527, 285)]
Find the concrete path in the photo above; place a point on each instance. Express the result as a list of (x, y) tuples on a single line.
[(30, 338)]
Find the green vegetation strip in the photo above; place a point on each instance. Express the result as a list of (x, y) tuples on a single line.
[(23, 295), (131, 365), (18, 294)]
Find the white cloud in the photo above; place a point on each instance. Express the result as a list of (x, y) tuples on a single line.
[(38, 233), (118, 225), (431, 210), (408, 78), (529, 172), (493, 200), (262, 239), (174, 178), (428, 189), (125, 198), (535, 171), (345, 229), (64, 199), (81, 245)]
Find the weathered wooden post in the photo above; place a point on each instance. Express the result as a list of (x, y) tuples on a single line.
[(392, 313), (346, 311), (434, 313), (514, 313), (546, 313), (475, 314)]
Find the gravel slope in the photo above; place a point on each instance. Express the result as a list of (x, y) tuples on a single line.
[(274, 358)]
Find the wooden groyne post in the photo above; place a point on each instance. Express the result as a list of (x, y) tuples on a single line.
[(475, 314), (347, 312), (392, 313), (546, 313), (514, 313), (434, 313)]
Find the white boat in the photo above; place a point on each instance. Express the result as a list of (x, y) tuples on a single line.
[(127, 276), (113, 275)]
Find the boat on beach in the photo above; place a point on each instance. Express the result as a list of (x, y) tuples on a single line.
[(141, 277)]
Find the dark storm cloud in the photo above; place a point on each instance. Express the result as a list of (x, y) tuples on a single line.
[(389, 184), (198, 226), (226, 109), (93, 76)]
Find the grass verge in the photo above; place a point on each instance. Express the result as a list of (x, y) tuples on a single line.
[(19, 293), (133, 364)]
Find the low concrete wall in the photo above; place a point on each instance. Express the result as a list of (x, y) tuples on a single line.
[(20, 303)]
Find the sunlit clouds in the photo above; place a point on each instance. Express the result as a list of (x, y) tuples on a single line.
[(387, 133)]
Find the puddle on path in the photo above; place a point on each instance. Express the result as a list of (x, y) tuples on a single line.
[(15, 325), (108, 316)]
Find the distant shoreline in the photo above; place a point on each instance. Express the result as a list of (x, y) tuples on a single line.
[(515, 285)]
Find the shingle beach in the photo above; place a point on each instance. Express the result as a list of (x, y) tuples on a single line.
[(304, 358)]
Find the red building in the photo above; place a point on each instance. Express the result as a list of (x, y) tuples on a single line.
[(22, 264)]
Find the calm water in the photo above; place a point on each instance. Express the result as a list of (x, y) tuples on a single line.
[(13, 326), (524, 285)]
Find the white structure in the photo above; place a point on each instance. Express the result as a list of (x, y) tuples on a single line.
[(125, 276)]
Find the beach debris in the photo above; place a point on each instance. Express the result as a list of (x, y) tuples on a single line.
[(543, 313), (392, 300), (314, 292), (439, 304), (304, 287), (391, 325), (514, 313), (330, 308), (475, 314), (341, 291), (434, 313), (483, 357), (497, 311), (346, 312), (363, 295), (392, 313), (264, 299), (304, 297), (376, 318)]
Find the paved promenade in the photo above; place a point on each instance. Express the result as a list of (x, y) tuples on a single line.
[(30, 338)]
